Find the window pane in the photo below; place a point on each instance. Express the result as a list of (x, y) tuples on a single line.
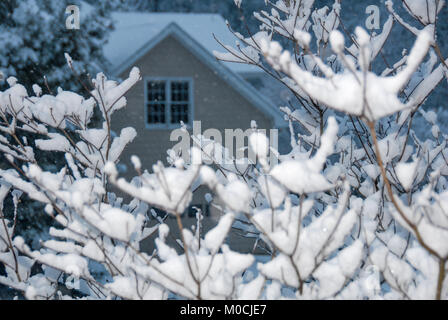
[(179, 112), (179, 91), (158, 212), (156, 113), (156, 91), (193, 209), (206, 210)]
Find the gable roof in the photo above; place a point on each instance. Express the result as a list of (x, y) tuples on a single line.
[(126, 46), (134, 29)]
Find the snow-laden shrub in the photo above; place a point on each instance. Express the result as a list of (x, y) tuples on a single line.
[(358, 209)]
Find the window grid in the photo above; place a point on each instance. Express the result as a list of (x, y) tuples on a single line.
[(156, 113), (168, 102)]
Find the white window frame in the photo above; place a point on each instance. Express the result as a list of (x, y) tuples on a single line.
[(168, 80)]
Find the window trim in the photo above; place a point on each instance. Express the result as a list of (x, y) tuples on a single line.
[(168, 102)]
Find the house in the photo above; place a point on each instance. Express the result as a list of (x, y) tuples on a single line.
[(182, 81)]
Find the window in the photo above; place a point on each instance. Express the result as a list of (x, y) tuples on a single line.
[(189, 212), (192, 209), (168, 102)]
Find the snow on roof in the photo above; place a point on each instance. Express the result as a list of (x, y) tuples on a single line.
[(86, 8), (133, 30)]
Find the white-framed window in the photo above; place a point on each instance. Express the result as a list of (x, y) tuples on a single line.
[(189, 212), (168, 102)]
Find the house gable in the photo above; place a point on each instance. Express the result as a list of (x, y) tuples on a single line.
[(217, 104), (231, 78)]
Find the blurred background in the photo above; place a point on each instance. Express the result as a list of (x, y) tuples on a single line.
[(34, 38)]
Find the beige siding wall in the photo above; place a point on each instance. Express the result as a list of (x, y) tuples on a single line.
[(216, 105)]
